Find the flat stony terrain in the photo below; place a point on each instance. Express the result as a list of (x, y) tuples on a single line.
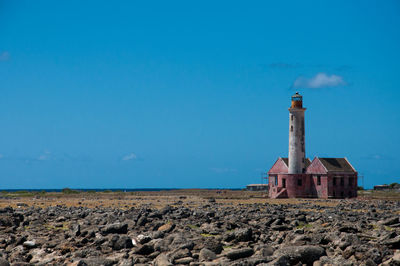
[(196, 227)]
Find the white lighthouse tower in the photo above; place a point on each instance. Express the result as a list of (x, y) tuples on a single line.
[(297, 151)]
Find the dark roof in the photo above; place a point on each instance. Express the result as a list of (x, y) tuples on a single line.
[(337, 164), (297, 94), (286, 160)]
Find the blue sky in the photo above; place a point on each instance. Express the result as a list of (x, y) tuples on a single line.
[(129, 94)]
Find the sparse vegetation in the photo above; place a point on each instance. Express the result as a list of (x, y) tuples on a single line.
[(69, 191), (192, 226), (208, 235), (303, 225)]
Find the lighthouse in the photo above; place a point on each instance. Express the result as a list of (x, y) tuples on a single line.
[(297, 152), (298, 177)]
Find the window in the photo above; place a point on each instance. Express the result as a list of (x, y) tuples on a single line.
[(276, 181), (291, 128), (349, 194), (342, 194), (283, 182), (342, 181), (291, 117), (294, 98), (334, 181), (318, 180), (299, 182)]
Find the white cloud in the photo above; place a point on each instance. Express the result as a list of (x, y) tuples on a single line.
[(321, 80), (4, 56), (45, 156), (42, 158), (129, 157), (377, 157)]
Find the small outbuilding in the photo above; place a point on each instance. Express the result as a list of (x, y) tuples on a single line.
[(257, 187)]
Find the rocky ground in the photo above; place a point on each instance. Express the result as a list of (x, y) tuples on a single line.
[(211, 232)]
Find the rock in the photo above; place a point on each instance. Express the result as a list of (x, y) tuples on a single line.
[(206, 255), (180, 242), (280, 227), (143, 239), (166, 228), (393, 243), (348, 252), (166, 209), (145, 249), (210, 228), (3, 262), (125, 262), (122, 242), (348, 229), (265, 251), (213, 244), (20, 240), (157, 234), (186, 260), (396, 256), (179, 254), (142, 221), (243, 234), (162, 260), (76, 229), (331, 261), (390, 221), (160, 245), (301, 240), (155, 214), (347, 240), (29, 244), (96, 262), (304, 254), (117, 228), (393, 261), (239, 253), (60, 219), (375, 255), (370, 262)]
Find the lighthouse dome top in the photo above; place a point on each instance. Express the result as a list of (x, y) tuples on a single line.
[(297, 97)]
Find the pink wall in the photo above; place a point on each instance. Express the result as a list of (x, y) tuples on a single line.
[(316, 167)]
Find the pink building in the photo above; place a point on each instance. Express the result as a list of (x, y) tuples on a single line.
[(324, 178), (298, 177)]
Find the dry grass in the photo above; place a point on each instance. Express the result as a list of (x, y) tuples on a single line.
[(158, 199), (382, 195)]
